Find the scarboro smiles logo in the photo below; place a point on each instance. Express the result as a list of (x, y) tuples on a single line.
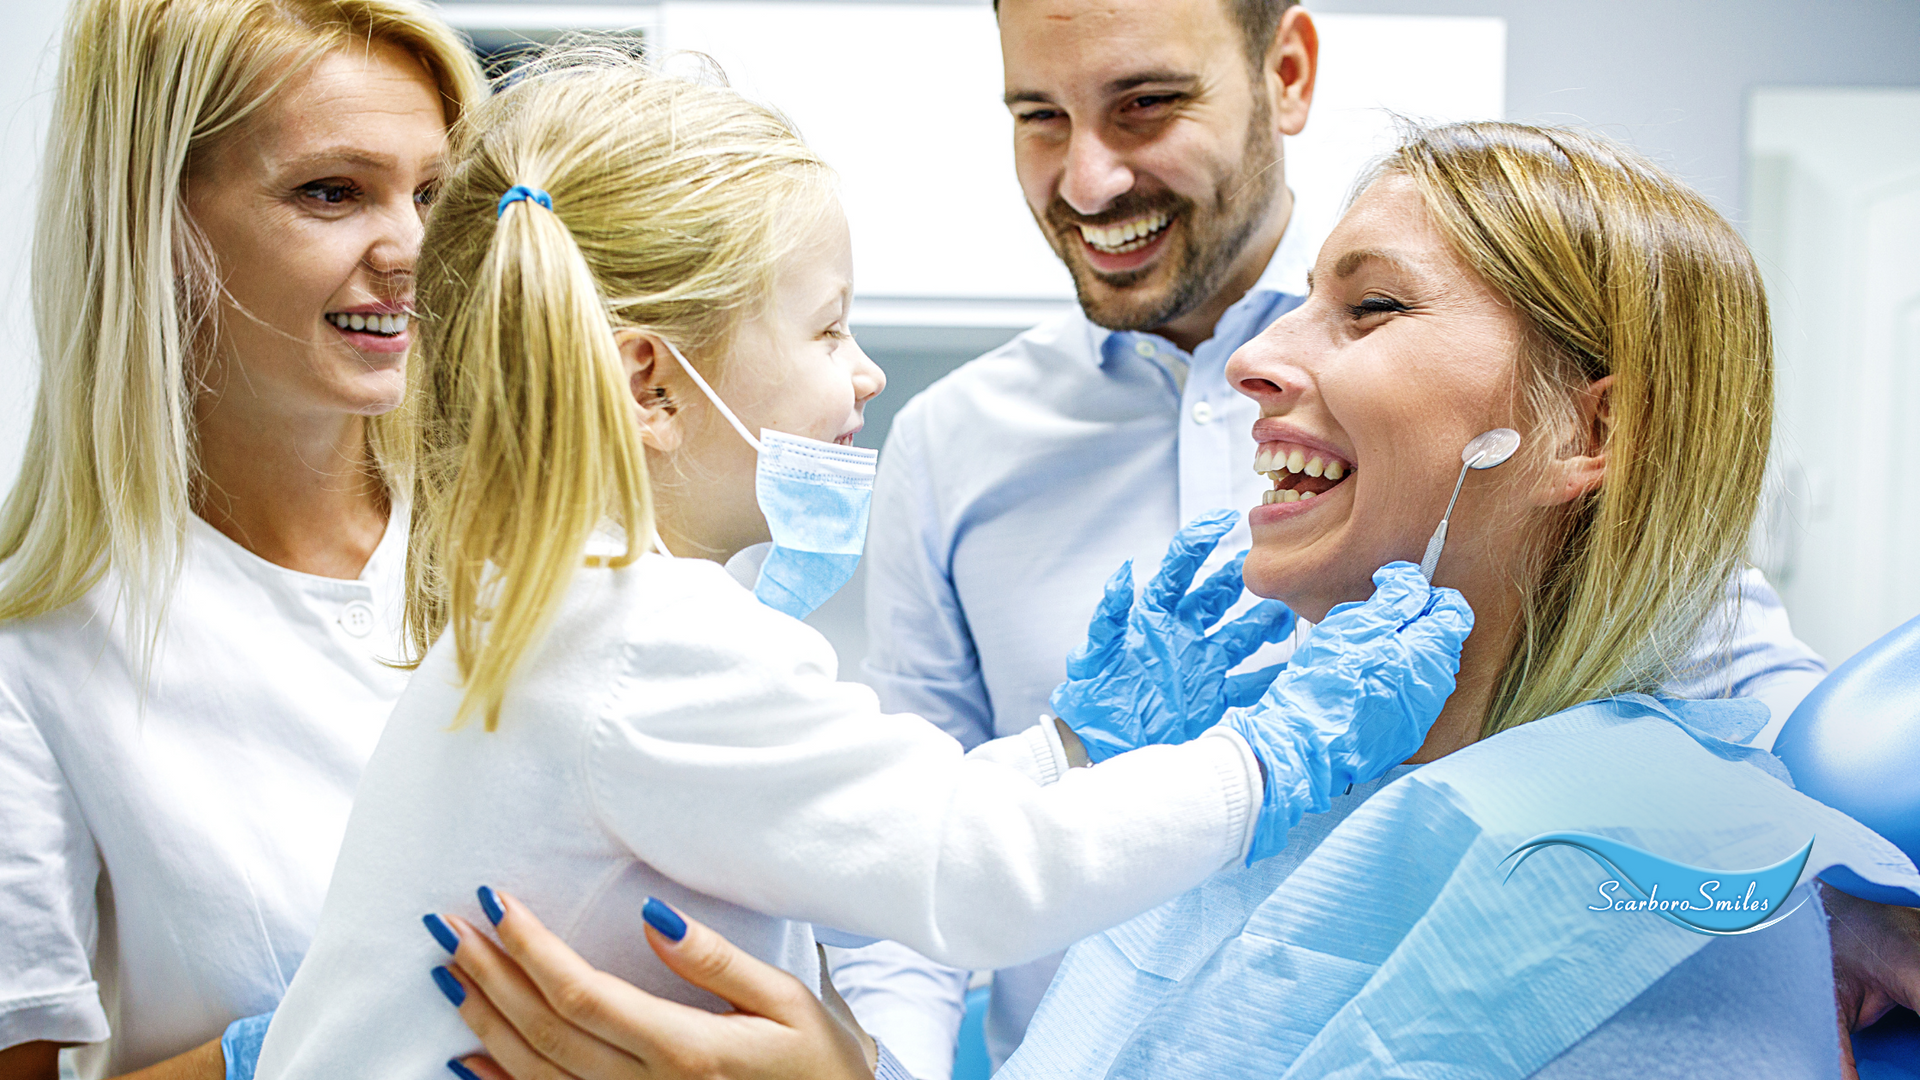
[(1705, 901)]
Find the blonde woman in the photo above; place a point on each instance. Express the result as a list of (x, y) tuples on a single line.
[(1495, 275), (202, 566), (1490, 275)]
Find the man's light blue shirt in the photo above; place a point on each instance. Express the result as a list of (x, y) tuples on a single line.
[(1011, 489)]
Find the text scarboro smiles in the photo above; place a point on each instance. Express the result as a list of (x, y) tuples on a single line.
[(1613, 897)]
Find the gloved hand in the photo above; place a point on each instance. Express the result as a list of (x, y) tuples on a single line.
[(1356, 699), (240, 1045), (1150, 672)]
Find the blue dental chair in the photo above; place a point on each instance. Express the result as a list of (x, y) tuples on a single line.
[(1854, 744)]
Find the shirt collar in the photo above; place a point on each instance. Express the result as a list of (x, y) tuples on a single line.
[(1285, 273)]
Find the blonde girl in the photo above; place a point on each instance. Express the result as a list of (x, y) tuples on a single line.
[(628, 276), (200, 574)]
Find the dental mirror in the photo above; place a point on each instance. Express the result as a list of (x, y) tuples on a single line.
[(1486, 450)]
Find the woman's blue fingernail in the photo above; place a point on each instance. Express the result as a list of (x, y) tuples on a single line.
[(490, 904), (450, 986), (461, 1071), (442, 933), (664, 919)]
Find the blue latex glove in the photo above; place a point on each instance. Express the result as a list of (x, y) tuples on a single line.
[(1150, 672), (1356, 699), (240, 1045)]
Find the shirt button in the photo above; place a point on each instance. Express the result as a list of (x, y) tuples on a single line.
[(357, 618), (1145, 347), (1202, 413)]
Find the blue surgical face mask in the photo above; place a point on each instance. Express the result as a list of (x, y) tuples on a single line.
[(815, 497)]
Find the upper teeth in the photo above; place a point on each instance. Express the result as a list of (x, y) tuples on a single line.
[(375, 324), (1275, 458), (1125, 236)]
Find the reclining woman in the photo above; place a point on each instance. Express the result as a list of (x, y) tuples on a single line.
[(1494, 275), (1488, 275)]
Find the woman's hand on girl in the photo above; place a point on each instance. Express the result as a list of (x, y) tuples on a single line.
[(544, 1013)]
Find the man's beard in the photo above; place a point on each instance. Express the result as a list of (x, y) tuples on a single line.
[(1208, 241)]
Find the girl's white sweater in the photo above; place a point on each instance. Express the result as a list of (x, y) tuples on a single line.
[(673, 737)]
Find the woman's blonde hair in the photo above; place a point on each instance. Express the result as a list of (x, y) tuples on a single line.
[(1620, 270), (674, 202), (123, 293)]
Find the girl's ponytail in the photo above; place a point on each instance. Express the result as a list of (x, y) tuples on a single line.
[(528, 444), (673, 203)]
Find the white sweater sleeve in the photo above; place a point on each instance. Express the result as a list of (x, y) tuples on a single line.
[(1035, 753), (731, 760)]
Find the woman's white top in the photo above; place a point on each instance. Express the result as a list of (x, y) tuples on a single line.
[(673, 737), (164, 847)]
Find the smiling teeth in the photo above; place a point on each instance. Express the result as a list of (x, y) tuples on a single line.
[(1126, 236), (1277, 458), (1298, 473), (372, 324)]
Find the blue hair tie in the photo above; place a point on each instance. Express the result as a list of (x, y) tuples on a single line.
[(519, 192)]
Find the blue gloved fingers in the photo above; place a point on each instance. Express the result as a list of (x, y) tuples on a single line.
[(1450, 611), (1400, 587), (1399, 592), (1107, 628), (1185, 554), (1247, 688), (1431, 644), (1439, 631), (1266, 621), (1399, 595), (1209, 600)]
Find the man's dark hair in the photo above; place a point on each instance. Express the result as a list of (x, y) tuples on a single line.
[(1258, 21)]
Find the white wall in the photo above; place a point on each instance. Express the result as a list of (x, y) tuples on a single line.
[(904, 100), (1672, 76), (27, 69), (1836, 221)]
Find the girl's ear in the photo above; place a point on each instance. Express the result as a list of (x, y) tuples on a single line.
[(647, 364), (1581, 463)]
